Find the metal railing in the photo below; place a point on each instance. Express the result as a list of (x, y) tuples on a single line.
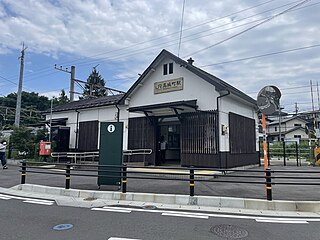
[(78, 157), (267, 178), (132, 152)]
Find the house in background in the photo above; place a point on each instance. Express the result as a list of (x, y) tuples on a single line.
[(205, 121), (291, 128)]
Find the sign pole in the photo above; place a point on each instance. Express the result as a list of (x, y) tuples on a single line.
[(264, 131)]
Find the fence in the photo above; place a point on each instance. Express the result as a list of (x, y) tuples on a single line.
[(289, 152), (266, 178)]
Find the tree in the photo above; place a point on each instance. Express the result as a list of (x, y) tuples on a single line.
[(94, 86), (23, 140), (62, 99), (31, 106)]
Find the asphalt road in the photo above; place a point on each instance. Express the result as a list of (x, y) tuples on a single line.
[(11, 177), (21, 220)]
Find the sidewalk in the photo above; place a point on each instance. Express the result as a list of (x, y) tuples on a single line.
[(90, 199), (214, 196)]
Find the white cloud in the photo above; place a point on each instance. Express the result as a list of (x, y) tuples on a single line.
[(87, 28)]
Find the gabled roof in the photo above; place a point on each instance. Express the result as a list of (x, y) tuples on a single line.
[(217, 82), (287, 120), (88, 103), (286, 132)]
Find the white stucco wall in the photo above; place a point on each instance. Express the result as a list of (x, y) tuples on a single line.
[(236, 105), (102, 114), (193, 88)]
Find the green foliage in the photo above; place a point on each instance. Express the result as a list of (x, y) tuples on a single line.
[(31, 106), (61, 99), (276, 150), (23, 140), (95, 86)]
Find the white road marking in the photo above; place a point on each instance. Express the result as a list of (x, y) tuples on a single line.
[(5, 198), (38, 202), (27, 199), (206, 216), (111, 210), (116, 238), (281, 221), (185, 215)]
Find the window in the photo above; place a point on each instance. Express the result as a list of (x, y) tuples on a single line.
[(170, 68), (297, 136), (275, 129), (297, 125), (166, 70)]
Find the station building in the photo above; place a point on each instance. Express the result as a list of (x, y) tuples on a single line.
[(205, 121)]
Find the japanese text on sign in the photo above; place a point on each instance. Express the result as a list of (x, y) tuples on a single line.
[(168, 86)]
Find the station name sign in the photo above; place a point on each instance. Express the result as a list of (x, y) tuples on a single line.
[(168, 86)]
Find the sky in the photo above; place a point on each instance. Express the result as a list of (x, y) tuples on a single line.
[(249, 44)]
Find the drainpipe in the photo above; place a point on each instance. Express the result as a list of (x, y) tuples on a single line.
[(118, 113), (77, 129), (218, 123)]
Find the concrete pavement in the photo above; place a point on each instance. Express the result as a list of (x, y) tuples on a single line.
[(81, 196)]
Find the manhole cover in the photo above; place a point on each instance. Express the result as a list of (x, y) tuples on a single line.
[(61, 227), (229, 231), (149, 207)]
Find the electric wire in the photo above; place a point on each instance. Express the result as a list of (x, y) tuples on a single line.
[(250, 28)]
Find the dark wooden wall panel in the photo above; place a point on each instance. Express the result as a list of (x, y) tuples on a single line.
[(142, 135), (242, 134), (199, 139), (88, 136)]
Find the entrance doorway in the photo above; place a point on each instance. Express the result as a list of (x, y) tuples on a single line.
[(168, 141)]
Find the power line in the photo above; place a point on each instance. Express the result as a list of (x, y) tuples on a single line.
[(194, 27), (248, 29), (184, 37), (182, 15), (156, 47), (263, 55)]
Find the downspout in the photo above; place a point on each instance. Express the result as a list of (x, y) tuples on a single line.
[(118, 113), (218, 124), (77, 129)]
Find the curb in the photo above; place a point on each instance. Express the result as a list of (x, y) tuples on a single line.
[(201, 201)]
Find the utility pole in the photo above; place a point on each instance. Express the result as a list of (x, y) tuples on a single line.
[(312, 100), (72, 78), (296, 108), (318, 96), (19, 93), (279, 123)]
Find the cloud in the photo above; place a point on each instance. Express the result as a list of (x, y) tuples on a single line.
[(100, 31)]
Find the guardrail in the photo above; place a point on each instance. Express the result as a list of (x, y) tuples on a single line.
[(267, 178)]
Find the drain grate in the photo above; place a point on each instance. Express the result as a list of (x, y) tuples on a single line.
[(229, 231), (149, 207)]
